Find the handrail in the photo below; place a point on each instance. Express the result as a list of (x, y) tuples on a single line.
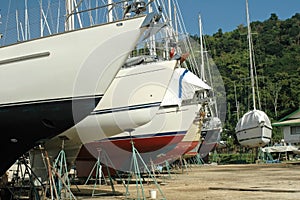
[(92, 9)]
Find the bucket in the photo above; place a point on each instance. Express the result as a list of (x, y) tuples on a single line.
[(152, 194), (37, 182)]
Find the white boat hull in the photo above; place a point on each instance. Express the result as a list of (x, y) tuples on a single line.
[(254, 137), (188, 142), (73, 64), (51, 83), (167, 128), (254, 129), (162, 134)]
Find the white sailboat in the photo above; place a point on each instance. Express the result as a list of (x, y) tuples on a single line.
[(53, 82), (178, 112), (211, 124), (254, 128), (167, 128)]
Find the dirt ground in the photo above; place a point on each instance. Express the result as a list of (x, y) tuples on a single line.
[(218, 182)]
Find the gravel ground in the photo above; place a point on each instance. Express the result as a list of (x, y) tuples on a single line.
[(218, 182)]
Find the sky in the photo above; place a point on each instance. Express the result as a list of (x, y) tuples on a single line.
[(228, 14), (225, 14)]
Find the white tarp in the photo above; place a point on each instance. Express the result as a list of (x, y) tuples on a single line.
[(251, 119), (183, 86), (212, 123)]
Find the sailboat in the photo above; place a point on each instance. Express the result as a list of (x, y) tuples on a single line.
[(211, 123), (167, 128), (51, 83), (254, 128), (170, 128)]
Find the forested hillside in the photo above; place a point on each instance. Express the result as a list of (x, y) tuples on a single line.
[(276, 46)]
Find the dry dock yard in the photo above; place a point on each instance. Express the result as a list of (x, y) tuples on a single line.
[(250, 181), (203, 182)]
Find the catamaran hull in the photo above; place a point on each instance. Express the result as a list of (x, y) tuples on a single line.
[(51, 83), (255, 137)]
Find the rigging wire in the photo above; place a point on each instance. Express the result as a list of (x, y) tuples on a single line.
[(6, 23)]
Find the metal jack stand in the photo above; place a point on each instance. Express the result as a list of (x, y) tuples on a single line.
[(138, 179), (183, 164), (60, 175), (21, 185), (168, 168), (199, 160), (99, 172)]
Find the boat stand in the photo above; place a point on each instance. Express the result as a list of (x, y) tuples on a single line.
[(161, 170), (102, 156), (135, 168), (21, 186), (266, 157), (183, 164), (59, 178), (167, 166), (198, 160)]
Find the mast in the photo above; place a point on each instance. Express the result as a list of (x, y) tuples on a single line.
[(110, 13), (250, 55), (168, 31), (176, 24), (26, 21), (213, 107), (1, 35), (17, 21), (236, 103), (70, 16), (58, 16), (201, 49), (41, 18), (152, 45), (170, 11)]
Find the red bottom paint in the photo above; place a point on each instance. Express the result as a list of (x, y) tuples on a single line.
[(118, 154)]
